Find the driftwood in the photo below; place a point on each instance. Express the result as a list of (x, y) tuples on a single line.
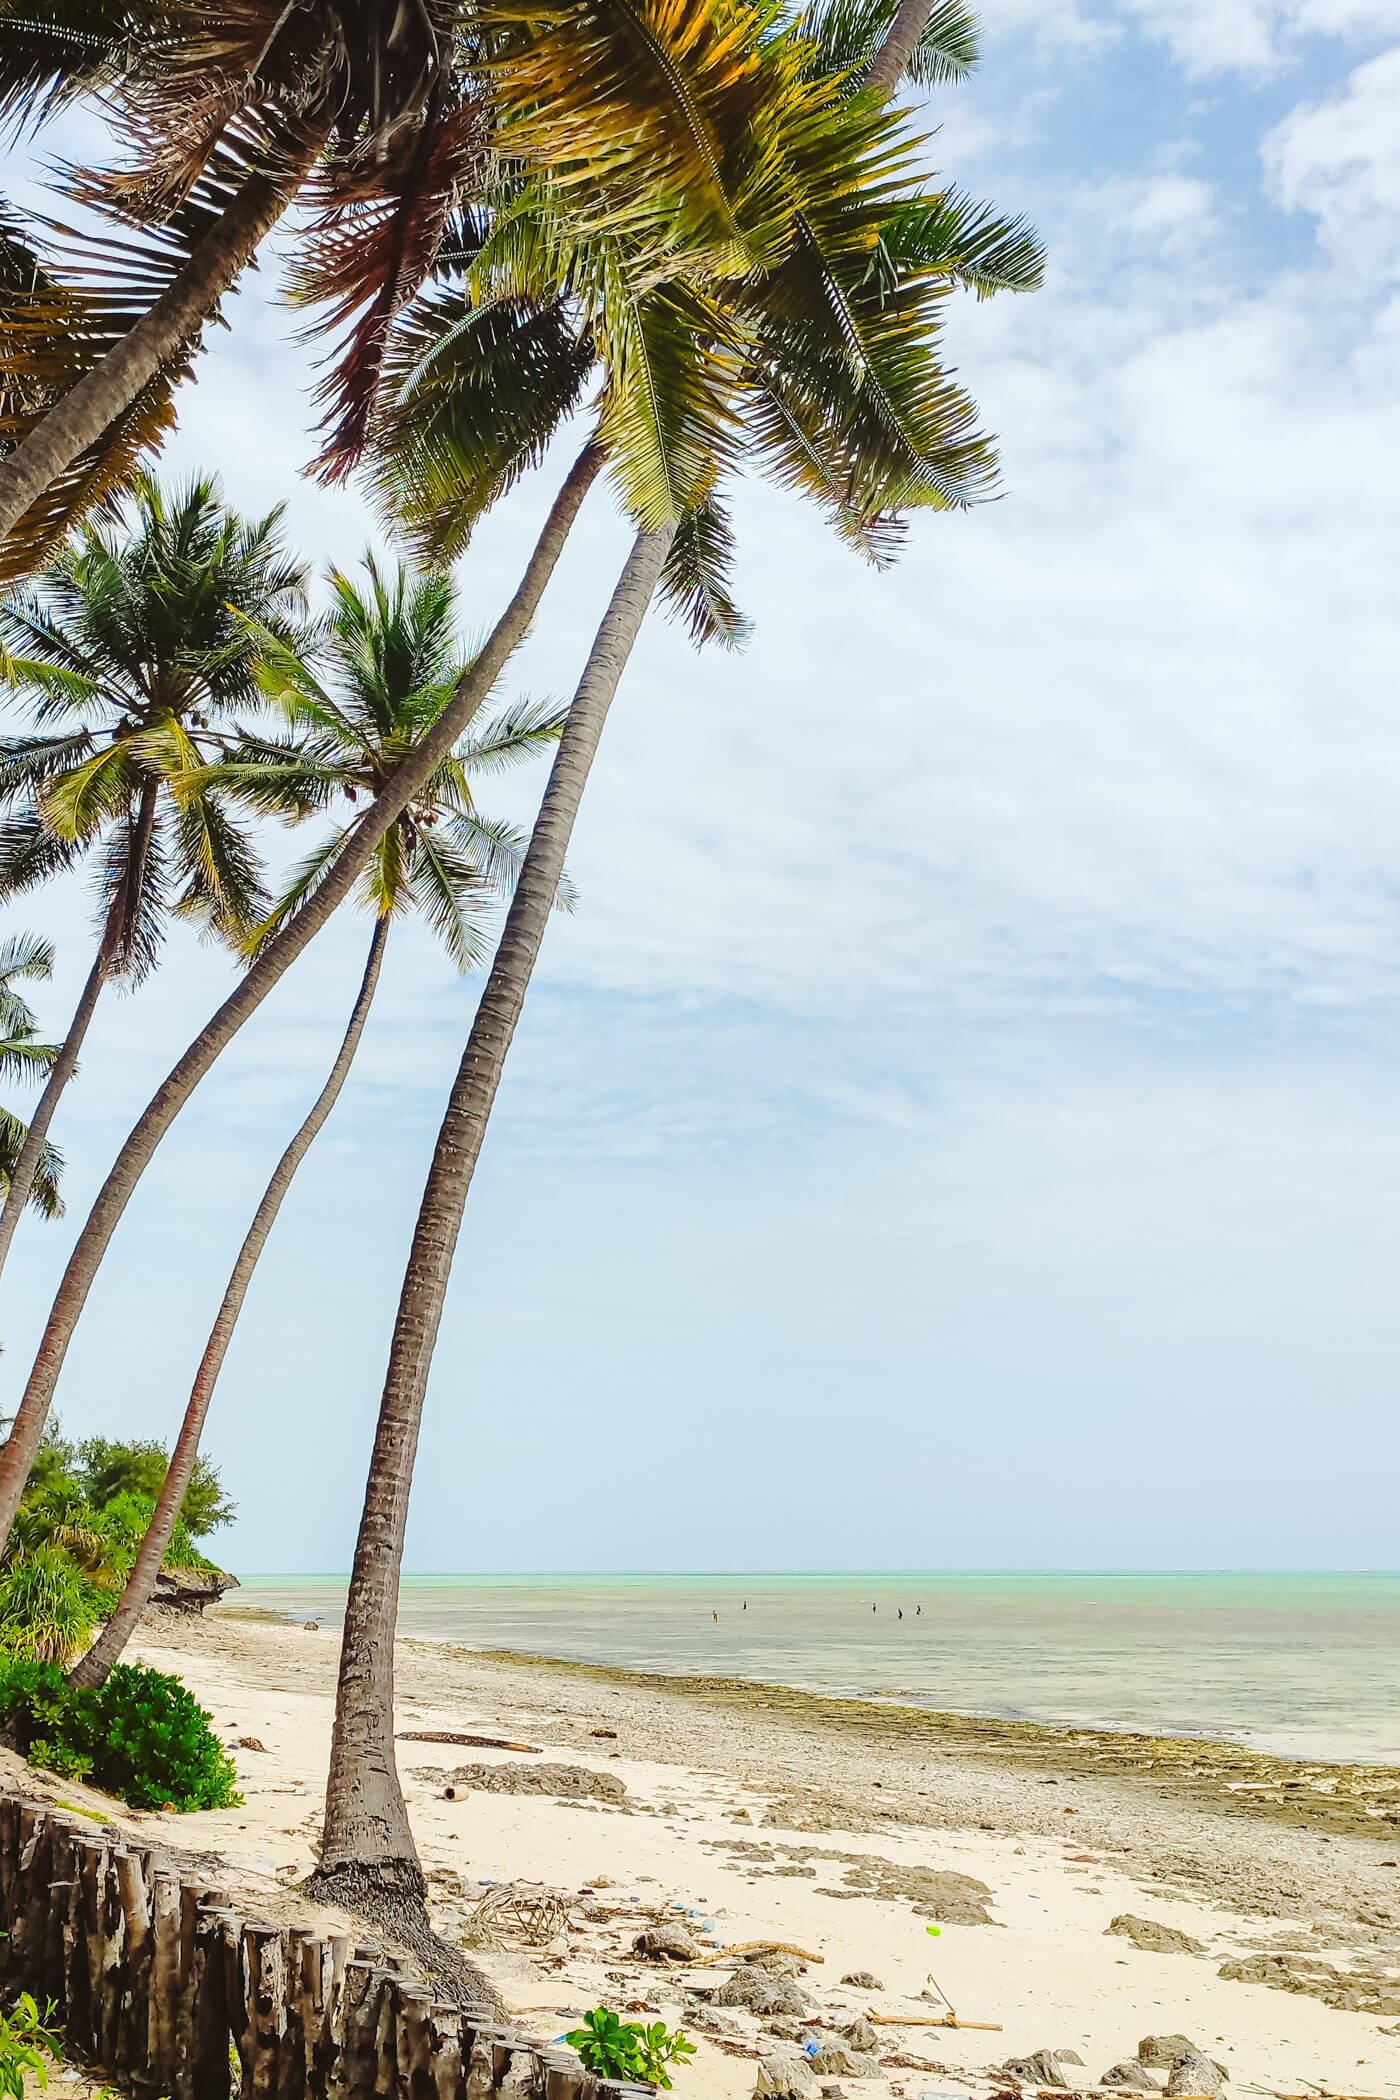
[(165, 1990), (472, 1742), (949, 2019), (707, 1961)]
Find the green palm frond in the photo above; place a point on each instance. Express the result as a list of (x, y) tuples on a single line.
[(25, 958), (87, 796), (44, 1196), (695, 580), (847, 34), (449, 891), (30, 853), (219, 868), (133, 888), (516, 733), (302, 882)]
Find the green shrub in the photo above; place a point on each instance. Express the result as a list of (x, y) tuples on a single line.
[(141, 1735), (26, 2041), (47, 1609), (624, 2049)]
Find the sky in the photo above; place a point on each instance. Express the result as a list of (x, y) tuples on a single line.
[(960, 1124)]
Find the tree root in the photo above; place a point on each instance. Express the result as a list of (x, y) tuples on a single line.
[(392, 1897)]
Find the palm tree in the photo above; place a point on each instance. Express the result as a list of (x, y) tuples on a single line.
[(393, 665), (130, 652), (836, 383), (25, 958), (663, 96), (368, 112)]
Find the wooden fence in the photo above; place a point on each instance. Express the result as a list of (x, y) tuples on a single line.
[(164, 1989)]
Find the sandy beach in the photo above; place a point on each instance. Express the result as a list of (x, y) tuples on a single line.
[(846, 1830)]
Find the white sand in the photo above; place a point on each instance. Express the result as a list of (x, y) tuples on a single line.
[(1045, 1970)]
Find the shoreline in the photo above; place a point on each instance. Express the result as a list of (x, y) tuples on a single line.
[(1332, 1795)]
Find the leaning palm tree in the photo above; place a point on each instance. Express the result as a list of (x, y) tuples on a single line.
[(391, 666), (368, 112), (25, 958), (131, 653), (820, 362), (666, 93)]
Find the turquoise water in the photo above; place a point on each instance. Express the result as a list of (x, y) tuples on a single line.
[(1305, 1664)]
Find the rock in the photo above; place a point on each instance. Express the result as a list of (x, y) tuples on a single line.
[(666, 1942), (738, 1815), (789, 2077), (608, 1735), (1153, 1936), (310, 1626), (1069, 2056), (1040, 2069), (783, 2027), (567, 1782), (833, 2092), (1194, 2073), (860, 2035), (190, 1589), (756, 1992), (1131, 2073), (836, 2062), (1164, 2049), (862, 1980)]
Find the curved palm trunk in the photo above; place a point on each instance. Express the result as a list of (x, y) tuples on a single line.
[(121, 911), (80, 417), (891, 62), (280, 953), (367, 1847), (140, 1583)]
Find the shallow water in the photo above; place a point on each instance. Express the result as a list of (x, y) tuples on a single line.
[(1308, 1665)]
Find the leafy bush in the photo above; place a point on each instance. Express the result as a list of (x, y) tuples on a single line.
[(141, 1735), (26, 2040), (47, 1609), (613, 2048)]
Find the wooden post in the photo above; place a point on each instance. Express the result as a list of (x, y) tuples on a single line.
[(205, 2070), (265, 2001), (162, 2053), (131, 2057), (445, 2035)]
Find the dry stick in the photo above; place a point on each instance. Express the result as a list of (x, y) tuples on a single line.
[(140, 1583), (120, 911), (108, 390), (707, 1961), (366, 1825), (280, 953)]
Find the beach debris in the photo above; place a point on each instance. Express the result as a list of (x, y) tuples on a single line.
[(1132, 2074), (787, 2077), (1152, 1935), (526, 1910), (467, 1742), (860, 2034), (310, 1626), (1195, 2074), (566, 1782), (862, 1980), (608, 1735), (950, 2019), (776, 1962), (752, 1990), (738, 1815), (1164, 2049), (250, 1742), (666, 1942)]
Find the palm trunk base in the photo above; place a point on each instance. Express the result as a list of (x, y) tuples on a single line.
[(392, 1896)]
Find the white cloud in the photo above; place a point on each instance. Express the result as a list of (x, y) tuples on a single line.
[(1212, 37), (1340, 161)]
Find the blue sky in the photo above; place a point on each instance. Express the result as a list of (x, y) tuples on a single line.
[(959, 1126)]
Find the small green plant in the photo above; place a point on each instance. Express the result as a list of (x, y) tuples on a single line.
[(613, 2048), (26, 2043), (141, 1735)]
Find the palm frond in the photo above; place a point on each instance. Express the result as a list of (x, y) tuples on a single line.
[(449, 891), (219, 867), (847, 34), (513, 735), (30, 853), (44, 1194), (695, 579), (133, 887), (25, 957)]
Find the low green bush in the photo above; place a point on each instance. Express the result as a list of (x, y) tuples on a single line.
[(27, 2041), (47, 1609), (624, 2049), (140, 1735)]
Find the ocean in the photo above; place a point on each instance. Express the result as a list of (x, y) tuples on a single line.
[(1303, 1665)]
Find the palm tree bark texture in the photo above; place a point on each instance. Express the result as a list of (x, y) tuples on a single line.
[(367, 1850), (95, 1666), (131, 1162)]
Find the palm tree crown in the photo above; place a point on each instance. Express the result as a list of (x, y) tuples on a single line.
[(376, 677), (134, 661)]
